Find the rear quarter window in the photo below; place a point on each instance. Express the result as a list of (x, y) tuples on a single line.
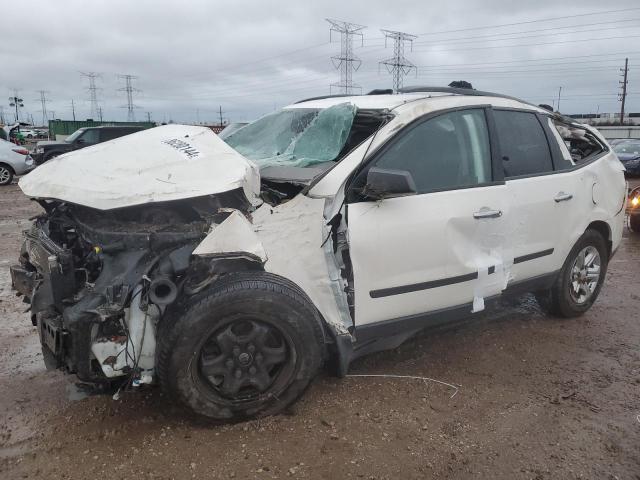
[(523, 144)]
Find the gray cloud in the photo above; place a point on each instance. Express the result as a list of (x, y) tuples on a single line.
[(253, 56)]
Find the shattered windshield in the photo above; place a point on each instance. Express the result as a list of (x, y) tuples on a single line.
[(297, 137)]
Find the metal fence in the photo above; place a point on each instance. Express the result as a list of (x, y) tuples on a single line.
[(67, 127)]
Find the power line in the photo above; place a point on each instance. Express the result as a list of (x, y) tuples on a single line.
[(93, 95), (398, 65), (578, 40), (623, 85), (129, 89), (346, 62), (43, 102), (519, 35), (540, 20)]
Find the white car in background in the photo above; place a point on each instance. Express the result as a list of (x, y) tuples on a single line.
[(29, 133), (14, 160), (230, 271)]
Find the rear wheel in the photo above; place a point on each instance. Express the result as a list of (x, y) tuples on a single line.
[(581, 278), (6, 174), (248, 347)]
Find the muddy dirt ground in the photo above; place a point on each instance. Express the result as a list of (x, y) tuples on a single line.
[(540, 398)]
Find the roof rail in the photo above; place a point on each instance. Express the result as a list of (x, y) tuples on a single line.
[(460, 91), (322, 97), (381, 91)]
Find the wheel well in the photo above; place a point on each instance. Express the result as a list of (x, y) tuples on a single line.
[(8, 166), (603, 229)]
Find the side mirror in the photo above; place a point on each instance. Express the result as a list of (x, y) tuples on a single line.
[(387, 183)]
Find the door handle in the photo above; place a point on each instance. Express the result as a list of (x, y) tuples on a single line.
[(562, 197), (486, 212)]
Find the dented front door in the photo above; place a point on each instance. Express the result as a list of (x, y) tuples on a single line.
[(429, 252), (447, 245)]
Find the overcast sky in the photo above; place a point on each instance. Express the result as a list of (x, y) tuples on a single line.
[(250, 57)]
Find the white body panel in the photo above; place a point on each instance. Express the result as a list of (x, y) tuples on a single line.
[(411, 240)]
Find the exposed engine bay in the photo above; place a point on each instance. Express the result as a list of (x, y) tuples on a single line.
[(99, 282)]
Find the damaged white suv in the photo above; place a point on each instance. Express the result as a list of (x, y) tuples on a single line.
[(230, 271)]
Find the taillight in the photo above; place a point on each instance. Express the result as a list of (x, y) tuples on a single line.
[(21, 151)]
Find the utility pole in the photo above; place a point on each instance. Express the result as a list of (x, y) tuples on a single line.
[(2, 114), (346, 62), (100, 114), (17, 103), (398, 66), (559, 93), (93, 95), (43, 102), (73, 110), (220, 113), (129, 89), (623, 84), (149, 117)]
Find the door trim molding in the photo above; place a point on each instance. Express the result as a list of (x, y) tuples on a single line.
[(443, 282)]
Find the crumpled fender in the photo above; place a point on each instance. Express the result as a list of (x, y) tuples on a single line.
[(289, 240)]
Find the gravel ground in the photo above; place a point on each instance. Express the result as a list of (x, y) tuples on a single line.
[(539, 398)]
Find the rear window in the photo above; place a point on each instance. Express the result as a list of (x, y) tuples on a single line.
[(581, 143), (523, 144)]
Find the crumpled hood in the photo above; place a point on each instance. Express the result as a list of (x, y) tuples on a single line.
[(171, 162)]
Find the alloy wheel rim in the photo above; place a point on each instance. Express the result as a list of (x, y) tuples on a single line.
[(585, 275), (4, 175), (243, 360)]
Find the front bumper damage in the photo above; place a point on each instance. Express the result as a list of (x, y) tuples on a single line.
[(97, 291)]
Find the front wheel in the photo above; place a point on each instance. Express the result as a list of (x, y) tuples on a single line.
[(248, 347), (581, 278)]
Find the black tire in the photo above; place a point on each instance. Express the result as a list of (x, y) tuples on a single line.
[(634, 223), (6, 174), (560, 299), (205, 355)]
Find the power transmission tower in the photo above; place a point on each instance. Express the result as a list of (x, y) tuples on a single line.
[(100, 113), (129, 89), (43, 102), (398, 66), (149, 117), (2, 114), (220, 113), (623, 84), (17, 103), (73, 110), (93, 95), (559, 93), (346, 62)]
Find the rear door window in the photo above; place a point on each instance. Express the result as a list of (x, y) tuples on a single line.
[(523, 144), (91, 136), (110, 134)]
